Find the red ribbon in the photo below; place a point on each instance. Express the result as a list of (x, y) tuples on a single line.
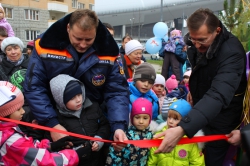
[(139, 143)]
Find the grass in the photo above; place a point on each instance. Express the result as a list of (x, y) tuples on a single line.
[(157, 62)]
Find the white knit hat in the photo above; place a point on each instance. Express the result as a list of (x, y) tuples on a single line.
[(160, 80), (11, 40), (132, 45)]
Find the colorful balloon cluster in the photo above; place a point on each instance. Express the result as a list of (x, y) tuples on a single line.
[(154, 44)]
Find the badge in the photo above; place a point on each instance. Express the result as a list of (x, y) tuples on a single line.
[(182, 153), (98, 80), (119, 61)]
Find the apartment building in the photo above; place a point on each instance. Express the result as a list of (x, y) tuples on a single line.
[(30, 18)]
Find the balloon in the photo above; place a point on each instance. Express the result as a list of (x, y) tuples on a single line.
[(165, 38), (229, 162), (153, 45), (160, 29)]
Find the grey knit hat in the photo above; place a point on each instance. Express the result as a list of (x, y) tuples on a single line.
[(145, 71), (11, 40)]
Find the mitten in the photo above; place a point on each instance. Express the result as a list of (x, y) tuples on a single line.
[(60, 144)]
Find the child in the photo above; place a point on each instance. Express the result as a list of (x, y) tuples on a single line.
[(175, 90), (143, 81), (185, 80), (140, 117), (187, 154), (16, 148), (30, 46), (174, 55), (159, 89), (78, 114), (4, 23)]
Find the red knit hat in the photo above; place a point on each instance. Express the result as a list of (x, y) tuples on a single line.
[(171, 83), (141, 106), (14, 104)]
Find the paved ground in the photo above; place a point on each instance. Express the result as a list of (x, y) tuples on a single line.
[(157, 67)]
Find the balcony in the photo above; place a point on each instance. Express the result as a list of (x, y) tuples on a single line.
[(57, 6)]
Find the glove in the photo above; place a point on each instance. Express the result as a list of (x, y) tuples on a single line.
[(84, 152), (60, 144)]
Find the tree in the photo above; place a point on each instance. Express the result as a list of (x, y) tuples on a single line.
[(231, 13)]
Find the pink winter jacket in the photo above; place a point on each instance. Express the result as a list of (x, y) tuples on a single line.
[(17, 149)]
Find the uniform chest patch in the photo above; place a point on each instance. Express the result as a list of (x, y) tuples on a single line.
[(98, 80), (58, 57), (182, 153)]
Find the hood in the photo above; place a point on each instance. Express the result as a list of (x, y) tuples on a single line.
[(57, 86), (136, 92), (56, 37)]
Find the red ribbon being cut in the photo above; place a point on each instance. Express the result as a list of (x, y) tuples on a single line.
[(139, 143)]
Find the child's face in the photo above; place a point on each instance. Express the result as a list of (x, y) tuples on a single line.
[(173, 119), (144, 85), (158, 89), (29, 50), (18, 114), (186, 80), (141, 121), (1, 14), (75, 103)]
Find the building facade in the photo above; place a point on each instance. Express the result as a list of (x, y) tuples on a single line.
[(30, 18)]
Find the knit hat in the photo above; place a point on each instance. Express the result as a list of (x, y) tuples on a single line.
[(11, 40), (160, 80), (181, 106), (175, 31), (187, 73), (7, 90), (72, 89), (141, 106), (17, 78), (132, 45), (165, 106), (30, 44), (145, 71), (171, 83)]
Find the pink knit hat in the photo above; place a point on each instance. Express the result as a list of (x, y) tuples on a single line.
[(14, 104), (171, 83), (141, 106), (187, 73), (176, 32)]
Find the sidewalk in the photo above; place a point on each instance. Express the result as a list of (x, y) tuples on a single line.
[(157, 68)]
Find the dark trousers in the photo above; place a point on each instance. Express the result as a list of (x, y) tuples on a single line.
[(171, 60)]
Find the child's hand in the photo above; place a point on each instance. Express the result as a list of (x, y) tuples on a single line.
[(184, 49), (95, 146)]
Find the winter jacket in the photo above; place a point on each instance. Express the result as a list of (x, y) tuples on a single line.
[(217, 85), (181, 155), (130, 155), (150, 95), (4, 23), (180, 92), (7, 68), (88, 121), (17, 149), (97, 68)]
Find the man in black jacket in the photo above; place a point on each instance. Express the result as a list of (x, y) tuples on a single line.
[(217, 85)]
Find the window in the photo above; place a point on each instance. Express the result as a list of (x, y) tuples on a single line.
[(80, 5), (31, 14), (8, 12), (32, 34), (74, 3), (91, 6)]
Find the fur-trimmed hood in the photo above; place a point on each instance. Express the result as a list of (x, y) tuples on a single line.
[(155, 128), (56, 37)]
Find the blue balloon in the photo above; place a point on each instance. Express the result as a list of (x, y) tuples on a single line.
[(153, 45), (160, 29), (165, 38)]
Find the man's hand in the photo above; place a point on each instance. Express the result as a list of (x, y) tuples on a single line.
[(234, 137), (121, 137), (189, 99), (171, 137), (56, 136)]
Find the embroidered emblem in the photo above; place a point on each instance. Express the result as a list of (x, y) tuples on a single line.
[(52, 56), (119, 61), (182, 153), (98, 80)]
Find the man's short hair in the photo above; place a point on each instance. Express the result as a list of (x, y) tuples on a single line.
[(107, 25), (127, 35), (84, 18), (3, 32), (203, 17)]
